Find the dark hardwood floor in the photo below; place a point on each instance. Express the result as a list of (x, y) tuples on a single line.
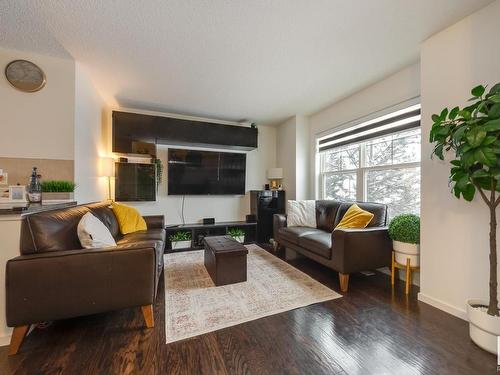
[(371, 330)]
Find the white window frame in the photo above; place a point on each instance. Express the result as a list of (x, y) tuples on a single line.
[(363, 170), (361, 173), (315, 154)]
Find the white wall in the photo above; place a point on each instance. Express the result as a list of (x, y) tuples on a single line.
[(455, 233), (39, 124), (293, 156), (223, 208), (302, 154), (390, 91), (89, 145), (394, 89), (285, 157)]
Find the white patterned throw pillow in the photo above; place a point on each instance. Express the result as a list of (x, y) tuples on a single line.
[(301, 213), (93, 234)]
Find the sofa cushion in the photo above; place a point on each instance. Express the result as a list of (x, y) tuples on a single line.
[(129, 218), (301, 213), (378, 210), (103, 212), (143, 235), (317, 243), (93, 234), (355, 217), (292, 234), (326, 212)]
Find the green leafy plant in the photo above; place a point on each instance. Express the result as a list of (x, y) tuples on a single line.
[(405, 228), (235, 232), (58, 186), (473, 135), (180, 236), (159, 171)]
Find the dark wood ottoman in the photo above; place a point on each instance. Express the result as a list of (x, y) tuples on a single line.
[(225, 260)]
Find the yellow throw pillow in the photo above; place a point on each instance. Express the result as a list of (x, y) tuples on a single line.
[(355, 217), (129, 219)]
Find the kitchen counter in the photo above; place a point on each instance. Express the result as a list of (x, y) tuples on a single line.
[(31, 208)]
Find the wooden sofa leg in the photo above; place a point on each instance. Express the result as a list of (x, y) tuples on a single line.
[(147, 312), (17, 338), (344, 281)]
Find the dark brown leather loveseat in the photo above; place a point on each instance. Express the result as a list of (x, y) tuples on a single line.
[(344, 250), (54, 278)]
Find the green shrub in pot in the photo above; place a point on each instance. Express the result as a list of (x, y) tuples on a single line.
[(180, 240), (237, 233), (57, 190), (404, 231)]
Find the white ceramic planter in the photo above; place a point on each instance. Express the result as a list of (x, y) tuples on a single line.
[(181, 245), (483, 328), (404, 251), (240, 239)]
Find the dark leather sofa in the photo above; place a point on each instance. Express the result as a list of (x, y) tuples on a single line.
[(54, 278), (344, 250)]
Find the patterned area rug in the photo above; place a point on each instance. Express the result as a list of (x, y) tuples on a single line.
[(194, 306)]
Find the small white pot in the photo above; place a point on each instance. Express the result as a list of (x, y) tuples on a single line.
[(404, 251), (181, 245), (240, 239), (483, 328)]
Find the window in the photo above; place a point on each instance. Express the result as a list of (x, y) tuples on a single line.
[(378, 161)]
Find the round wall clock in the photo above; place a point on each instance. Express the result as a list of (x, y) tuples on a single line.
[(25, 76)]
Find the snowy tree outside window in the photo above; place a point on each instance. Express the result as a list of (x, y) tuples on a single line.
[(384, 170)]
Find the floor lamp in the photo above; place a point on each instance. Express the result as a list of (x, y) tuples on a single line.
[(107, 170)]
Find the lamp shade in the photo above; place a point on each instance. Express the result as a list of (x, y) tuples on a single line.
[(275, 173), (107, 167)]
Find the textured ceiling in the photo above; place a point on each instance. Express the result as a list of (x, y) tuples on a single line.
[(262, 60)]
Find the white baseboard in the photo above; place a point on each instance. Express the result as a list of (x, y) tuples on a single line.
[(434, 302), (5, 340)]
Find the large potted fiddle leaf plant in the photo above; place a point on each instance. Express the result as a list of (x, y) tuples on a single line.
[(472, 135)]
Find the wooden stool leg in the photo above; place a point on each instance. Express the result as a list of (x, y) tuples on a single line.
[(408, 275), (393, 270), (147, 312), (17, 338)]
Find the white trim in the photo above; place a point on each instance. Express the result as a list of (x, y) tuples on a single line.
[(200, 148), (441, 305), (5, 340), (367, 132), (180, 116), (369, 117)]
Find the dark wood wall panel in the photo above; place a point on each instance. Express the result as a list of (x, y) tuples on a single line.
[(133, 127)]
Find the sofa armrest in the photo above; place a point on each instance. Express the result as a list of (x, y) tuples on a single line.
[(355, 250), (64, 284), (279, 221), (155, 221)]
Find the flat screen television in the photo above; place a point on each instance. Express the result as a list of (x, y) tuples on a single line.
[(135, 182), (194, 172)]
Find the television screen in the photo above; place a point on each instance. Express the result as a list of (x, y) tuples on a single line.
[(135, 182), (193, 172)]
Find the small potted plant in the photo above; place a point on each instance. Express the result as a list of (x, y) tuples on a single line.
[(237, 233), (180, 240), (58, 190), (404, 231)]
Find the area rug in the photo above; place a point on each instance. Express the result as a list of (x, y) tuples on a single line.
[(194, 306)]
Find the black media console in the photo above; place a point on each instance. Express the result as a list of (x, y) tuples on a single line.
[(200, 231)]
